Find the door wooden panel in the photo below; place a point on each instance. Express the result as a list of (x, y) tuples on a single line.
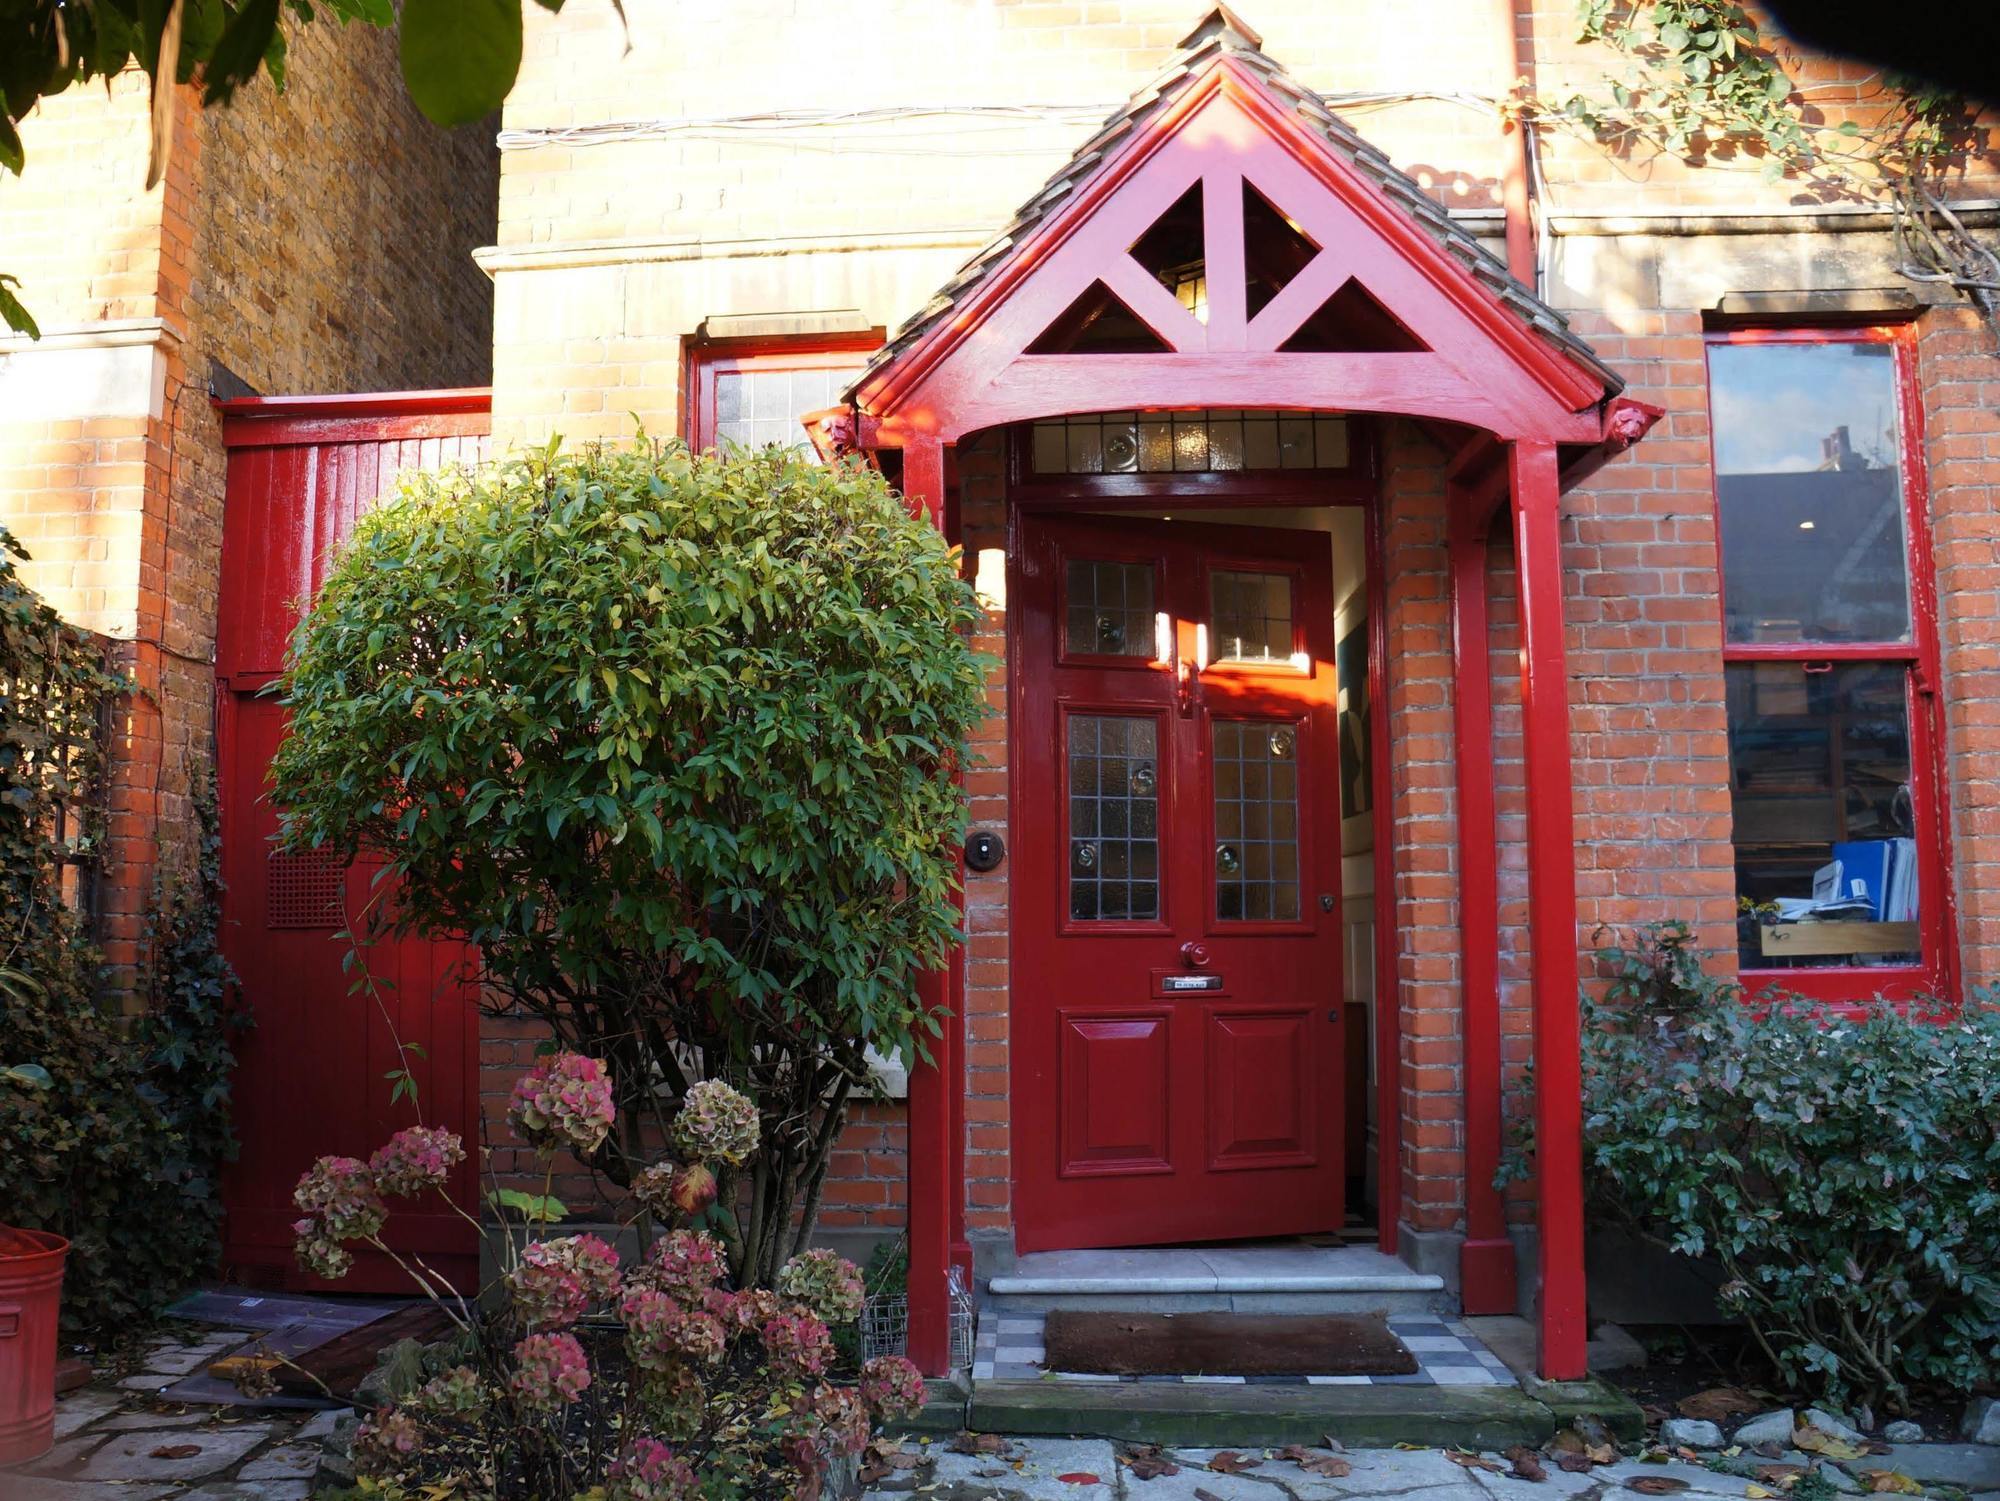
[(1176, 1037), (1114, 1094)]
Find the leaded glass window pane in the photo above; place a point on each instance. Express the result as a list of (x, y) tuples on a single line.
[(1256, 820), (1114, 817)]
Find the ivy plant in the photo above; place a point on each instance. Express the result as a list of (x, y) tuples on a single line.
[(670, 737)]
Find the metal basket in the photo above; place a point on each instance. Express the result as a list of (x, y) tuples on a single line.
[(885, 1322)]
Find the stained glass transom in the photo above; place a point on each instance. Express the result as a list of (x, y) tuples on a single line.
[(1114, 817), (1189, 442), (1256, 821)]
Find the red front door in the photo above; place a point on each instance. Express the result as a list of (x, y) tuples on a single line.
[(1177, 1046)]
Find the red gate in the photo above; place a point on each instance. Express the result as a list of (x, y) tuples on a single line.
[(310, 1079)]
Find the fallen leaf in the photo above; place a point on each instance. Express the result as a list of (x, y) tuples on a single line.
[(1150, 1462), (1202, 1495), (175, 1451), (1769, 1449), (994, 1473), (979, 1443), (1656, 1485), (1332, 1466), (1816, 1441), (1717, 1403), (1527, 1464), (1894, 1482), (1758, 1493), (1229, 1462), (1466, 1459), (1574, 1464), (1782, 1476), (1079, 1477)]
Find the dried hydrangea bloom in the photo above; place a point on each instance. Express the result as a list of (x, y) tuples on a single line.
[(383, 1442), (892, 1387), (648, 1470), (650, 1187), (550, 1371), (318, 1252), (843, 1418), (828, 1284), (453, 1392), (340, 1193), (416, 1158), (563, 1101), (744, 1312), (559, 1281), (797, 1344), (716, 1124), (661, 1334), (685, 1265)]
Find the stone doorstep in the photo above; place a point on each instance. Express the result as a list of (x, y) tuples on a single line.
[(1344, 1278), (1362, 1417)]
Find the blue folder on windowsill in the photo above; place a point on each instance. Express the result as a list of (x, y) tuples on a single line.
[(1884, 870)]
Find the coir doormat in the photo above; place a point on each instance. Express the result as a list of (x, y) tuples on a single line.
[(1223, 1344)]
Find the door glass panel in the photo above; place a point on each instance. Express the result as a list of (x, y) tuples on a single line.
[(1114, 817), (1256, 821), (1108, 608), (1251, 616), (1826, 853)]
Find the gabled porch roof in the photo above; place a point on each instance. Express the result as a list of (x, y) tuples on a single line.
[(1225, 117)]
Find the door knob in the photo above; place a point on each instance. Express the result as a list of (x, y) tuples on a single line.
[(1194, 955)]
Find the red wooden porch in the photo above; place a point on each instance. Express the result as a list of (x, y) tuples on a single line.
[(1226, 243)]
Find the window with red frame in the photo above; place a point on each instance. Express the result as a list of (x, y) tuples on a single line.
[(1830, 657), (754, 396)]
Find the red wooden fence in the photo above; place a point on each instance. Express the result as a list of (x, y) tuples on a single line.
[(311, 1076)]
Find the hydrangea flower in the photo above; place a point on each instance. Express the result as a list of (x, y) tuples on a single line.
[(383, 1441), (743, 1312), (660, 1333), (559, 1281), (319, 1253), (892, 1387), (797, 1344), (458, 1390), (685, 1265), (340, 1193), (649, 1471), (828, 1284), (716, 1124), (651, 1185), (416, 1158), (845, 1419), (550, 1371), (564, 1100)]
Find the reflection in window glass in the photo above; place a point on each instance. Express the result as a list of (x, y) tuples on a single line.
[(1108, 608), (1820, 783), (1806, 461), (1256, 821), (762, 405), (1114, 817), (1250, 616)]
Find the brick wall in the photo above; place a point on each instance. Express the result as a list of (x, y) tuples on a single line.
[(314, 241)]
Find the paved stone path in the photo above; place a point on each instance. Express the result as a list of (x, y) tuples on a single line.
[(121, 1441), (1097, 1470)]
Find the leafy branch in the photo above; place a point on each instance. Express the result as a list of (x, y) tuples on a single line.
[(1699, 81)]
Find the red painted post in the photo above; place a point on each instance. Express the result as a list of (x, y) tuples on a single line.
[(1552, 898), (930, 1155), (1486, 1260)]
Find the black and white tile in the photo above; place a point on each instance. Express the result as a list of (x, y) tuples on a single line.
[(1008, 1347)]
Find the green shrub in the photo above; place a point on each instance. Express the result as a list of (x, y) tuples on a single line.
[(1845, 1174), (670, 738), (110, 1127)]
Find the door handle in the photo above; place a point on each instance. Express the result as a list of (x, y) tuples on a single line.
[(1184, 688)]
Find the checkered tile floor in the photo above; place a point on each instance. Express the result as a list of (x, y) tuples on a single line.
[(1448, 1353)]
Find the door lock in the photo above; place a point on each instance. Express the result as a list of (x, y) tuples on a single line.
[(1326, 901)]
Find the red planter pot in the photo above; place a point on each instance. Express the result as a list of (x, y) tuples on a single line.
[(31, 1271)]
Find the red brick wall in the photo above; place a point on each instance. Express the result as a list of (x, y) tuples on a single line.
[(1958, 377)]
